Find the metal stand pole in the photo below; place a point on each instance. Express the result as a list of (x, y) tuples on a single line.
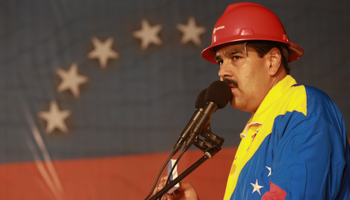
[(185, 173)]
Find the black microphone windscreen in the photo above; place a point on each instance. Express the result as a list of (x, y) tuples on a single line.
[(218, 92), (200, 102)]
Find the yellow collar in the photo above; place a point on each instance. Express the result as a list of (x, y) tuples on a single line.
[(274, 94)]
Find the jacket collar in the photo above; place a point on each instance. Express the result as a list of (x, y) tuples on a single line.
[(272, 96)]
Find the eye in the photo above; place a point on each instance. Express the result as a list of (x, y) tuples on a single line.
[(236, 57), (219, 62)]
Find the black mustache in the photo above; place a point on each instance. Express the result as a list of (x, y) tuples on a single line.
[(231, 82)]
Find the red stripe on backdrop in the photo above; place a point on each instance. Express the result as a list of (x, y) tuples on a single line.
[(127, 177)]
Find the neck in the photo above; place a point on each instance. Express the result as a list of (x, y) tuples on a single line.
[(280, 75)]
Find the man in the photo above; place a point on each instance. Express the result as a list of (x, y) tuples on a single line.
[(295, 145)]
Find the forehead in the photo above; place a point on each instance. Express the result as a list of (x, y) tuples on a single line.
[(231, 48)]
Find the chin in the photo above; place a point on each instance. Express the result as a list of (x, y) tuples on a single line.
[(239, 107), (234, 105)]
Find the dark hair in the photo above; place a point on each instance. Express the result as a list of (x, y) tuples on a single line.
[(262, 47)]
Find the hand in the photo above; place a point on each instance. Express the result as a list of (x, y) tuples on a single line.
[(184, 192)]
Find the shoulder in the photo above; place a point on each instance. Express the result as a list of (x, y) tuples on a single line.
[(321, 112), (309, 92), (319, 102), (316, 95), (308, 106), (310, 100)]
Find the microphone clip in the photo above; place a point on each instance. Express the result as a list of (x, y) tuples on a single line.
[(211, 143)]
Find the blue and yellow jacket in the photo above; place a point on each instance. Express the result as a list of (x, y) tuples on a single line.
[(294, 147)]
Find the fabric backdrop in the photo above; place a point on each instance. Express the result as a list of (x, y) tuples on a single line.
[(95, 93)]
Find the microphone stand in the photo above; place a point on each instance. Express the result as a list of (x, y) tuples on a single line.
[(210, 146)]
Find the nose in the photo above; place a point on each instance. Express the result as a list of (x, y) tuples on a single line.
[(225, 69)]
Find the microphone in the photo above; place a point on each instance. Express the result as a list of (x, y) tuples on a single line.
[(217, 96), (200, 103)]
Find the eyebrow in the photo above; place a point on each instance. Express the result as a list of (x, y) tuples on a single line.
[(228, 53)]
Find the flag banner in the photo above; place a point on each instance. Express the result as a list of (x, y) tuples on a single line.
[(94, 94)]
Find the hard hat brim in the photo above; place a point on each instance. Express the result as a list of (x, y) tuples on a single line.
[(295, 51)]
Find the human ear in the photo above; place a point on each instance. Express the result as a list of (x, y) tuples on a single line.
[(275, 61)]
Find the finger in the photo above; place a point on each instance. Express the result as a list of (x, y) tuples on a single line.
[(168, 197), (161, 184)]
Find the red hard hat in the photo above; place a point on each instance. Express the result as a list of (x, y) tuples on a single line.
[(249, 21)]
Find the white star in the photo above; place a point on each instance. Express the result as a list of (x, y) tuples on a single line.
[(103, 51), (71, 80), (191, 32), (256, 187), (55, 118), (269, 168), (148, 34)]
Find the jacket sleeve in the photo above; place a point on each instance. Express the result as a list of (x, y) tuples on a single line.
[(308, 158)]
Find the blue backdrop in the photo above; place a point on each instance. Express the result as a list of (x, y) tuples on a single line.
[(139, 98)]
